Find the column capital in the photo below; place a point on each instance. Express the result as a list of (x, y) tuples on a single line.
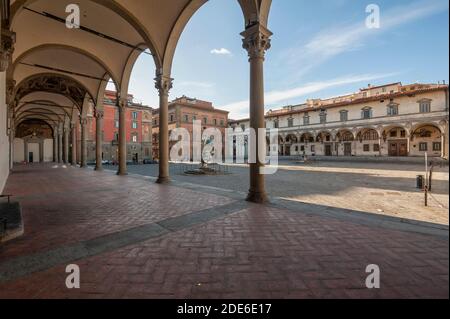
[(99, 114), (256, 41), (83, 121), (163, 84), (8, 39)]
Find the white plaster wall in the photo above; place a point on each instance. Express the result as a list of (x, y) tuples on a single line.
[(19, 150), (4, 140), (34, 148), (48, 150)]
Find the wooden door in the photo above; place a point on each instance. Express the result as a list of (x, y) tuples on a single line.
[(348, 149), (327, 150)]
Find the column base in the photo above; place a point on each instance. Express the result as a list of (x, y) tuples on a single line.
[(119, 173), (163, 180), (98, 169), (257, 197)]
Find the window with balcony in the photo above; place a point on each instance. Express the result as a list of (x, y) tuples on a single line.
[(134, 115)]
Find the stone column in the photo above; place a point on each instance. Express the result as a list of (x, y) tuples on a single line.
[(163, 84), (60, 146), (66, 146), (256, 41), (83, 160), (55, 146), (122, 105), (98, 140), (12, 135), (41, 151), (73, 160)]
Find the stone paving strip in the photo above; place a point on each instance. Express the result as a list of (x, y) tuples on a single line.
[(22, 266)]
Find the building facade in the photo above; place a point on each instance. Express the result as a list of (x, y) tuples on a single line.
[(183, 112), (138, 131), (387, 120)]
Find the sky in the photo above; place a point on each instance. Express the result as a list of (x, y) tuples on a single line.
[(320, 48)]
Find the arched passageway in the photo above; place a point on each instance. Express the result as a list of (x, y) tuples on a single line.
[(41, 55)]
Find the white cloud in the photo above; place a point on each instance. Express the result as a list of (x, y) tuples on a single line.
[(240, 109), (221, 51), (340, 39)]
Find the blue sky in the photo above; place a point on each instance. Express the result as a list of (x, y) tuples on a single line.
[(320, 48)]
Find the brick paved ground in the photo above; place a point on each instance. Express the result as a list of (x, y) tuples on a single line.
[(377, 188), (254, 251)]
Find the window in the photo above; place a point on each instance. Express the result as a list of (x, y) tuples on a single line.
[(344, 116), (370, 135), (392, 109), (134, 125), (215, 122), (290, 122), (134, 138), (205, 120), (366, 113), (116, 124), (306, 119), (393, 133), (313, 148), (186, 118), (366, 147), (323, 117), (276, 124), (194, 118), (222, 122), (376, 147), (134, 115), (402, 133), (425, 106), (423, 147), (116, 136), (437, 146), (172, 117)]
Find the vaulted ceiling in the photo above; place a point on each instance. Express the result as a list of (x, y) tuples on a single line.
[(54, 65)]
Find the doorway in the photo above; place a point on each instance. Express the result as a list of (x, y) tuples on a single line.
[(348, 149), (328, 150), (398, 148)]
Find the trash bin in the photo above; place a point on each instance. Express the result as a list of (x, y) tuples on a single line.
[(419, 181)]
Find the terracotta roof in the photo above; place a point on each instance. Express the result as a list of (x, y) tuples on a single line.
[(356, 101)]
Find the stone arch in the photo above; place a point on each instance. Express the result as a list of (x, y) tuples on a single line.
[(117, 8), (307, 137), (39, 82), (345, 135), (367, 134), (128, 69), (69, 48), (322, 136), (253, 11)]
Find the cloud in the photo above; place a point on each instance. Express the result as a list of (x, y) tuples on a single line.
[(221, 51), (240, 109), (346, 38)]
